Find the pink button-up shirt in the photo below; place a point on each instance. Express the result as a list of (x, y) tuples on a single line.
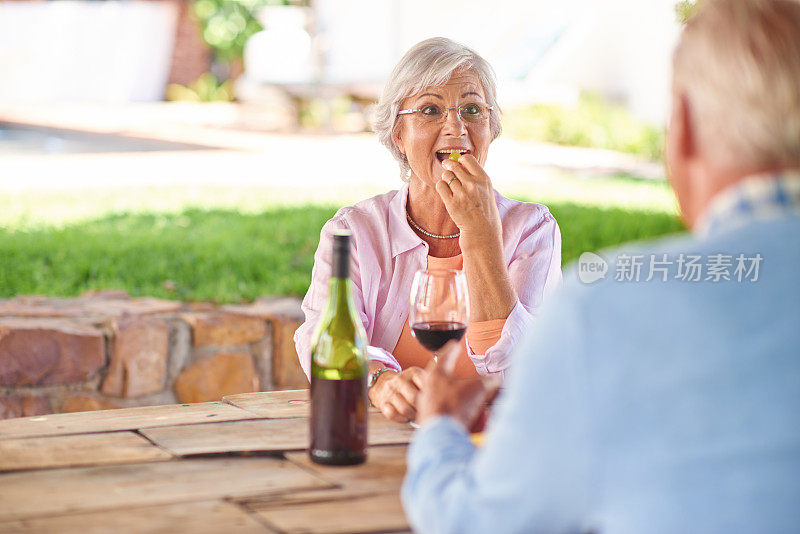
[(386, 253)]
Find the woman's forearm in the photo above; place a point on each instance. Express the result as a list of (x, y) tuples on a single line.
[(491, 293)]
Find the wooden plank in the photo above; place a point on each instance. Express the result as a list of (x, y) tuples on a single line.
[(121, 419), (372, 513), (383, 472), (28, 494), (209, 517), (81, 449), (261, 435), (276, 404), (273, 404), (241, 436)]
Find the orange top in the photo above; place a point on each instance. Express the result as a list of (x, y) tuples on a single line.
[(480, 335)]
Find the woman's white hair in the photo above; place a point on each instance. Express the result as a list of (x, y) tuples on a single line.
[(738, 63), (430, 63)]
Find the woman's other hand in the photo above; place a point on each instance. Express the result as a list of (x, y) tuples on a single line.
[(395, 394)]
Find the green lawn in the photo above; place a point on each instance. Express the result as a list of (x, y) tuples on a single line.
[(217, 255), (242, 251), (592, 228)]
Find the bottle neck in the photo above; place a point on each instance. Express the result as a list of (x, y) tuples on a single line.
[(340, 273), (338, 293), (340, 268)]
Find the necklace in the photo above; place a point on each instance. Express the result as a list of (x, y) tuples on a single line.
[(435, 236)]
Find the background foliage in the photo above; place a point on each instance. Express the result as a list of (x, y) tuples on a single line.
[(685, 9), (593, 122), (205, 89), (228, 24)]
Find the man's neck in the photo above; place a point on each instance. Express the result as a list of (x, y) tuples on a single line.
[(718, 180)]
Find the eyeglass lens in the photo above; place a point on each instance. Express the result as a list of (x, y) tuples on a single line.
[(469, 113)]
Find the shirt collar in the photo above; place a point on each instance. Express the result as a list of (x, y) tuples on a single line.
[(757, 197), (401, 237)]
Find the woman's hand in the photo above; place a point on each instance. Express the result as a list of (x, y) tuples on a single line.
[(395, 394), (468, 195)]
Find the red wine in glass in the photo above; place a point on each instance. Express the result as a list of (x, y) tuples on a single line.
[(435, 335), (439, 307)]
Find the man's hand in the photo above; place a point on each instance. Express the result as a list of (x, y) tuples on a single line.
[(395, 394), (443, 394)]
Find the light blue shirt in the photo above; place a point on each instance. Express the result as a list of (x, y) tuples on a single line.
[(644, 406)]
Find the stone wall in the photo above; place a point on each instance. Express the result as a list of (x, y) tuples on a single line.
[(108, 350)]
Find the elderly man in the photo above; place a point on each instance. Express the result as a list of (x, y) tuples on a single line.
[(668, 401)]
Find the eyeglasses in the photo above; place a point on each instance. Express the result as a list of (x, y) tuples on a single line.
[(472, 113)]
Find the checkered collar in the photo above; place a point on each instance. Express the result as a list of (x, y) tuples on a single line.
[(756, 198)]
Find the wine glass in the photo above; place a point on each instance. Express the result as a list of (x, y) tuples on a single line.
[(439, 307)]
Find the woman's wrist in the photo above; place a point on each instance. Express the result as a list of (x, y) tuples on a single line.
[(481, 240), (376, 380), (375, 375), (484, 260)]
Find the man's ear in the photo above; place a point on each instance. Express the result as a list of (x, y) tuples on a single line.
[(684, 136), (681, 156)]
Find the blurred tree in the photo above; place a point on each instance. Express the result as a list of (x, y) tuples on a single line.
[(685, 9), (205, 89), (228, 24)]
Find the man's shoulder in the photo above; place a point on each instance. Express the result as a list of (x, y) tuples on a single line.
[(666, 259), (598, 275), (681, 295)]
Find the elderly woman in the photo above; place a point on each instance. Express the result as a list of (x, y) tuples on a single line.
[(440, 98)]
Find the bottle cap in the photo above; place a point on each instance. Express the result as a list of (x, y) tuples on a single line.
[(341, 254), (341, 239)]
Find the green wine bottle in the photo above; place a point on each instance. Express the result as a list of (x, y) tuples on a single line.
[(339, 371)]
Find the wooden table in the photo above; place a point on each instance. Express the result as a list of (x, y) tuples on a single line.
[(239, 465)]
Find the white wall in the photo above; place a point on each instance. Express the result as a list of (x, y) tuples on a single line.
[(619, 48), (542, 50), (363, 39), (85, 51)]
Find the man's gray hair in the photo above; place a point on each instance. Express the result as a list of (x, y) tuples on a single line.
[(430, 63), (738, 63)]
